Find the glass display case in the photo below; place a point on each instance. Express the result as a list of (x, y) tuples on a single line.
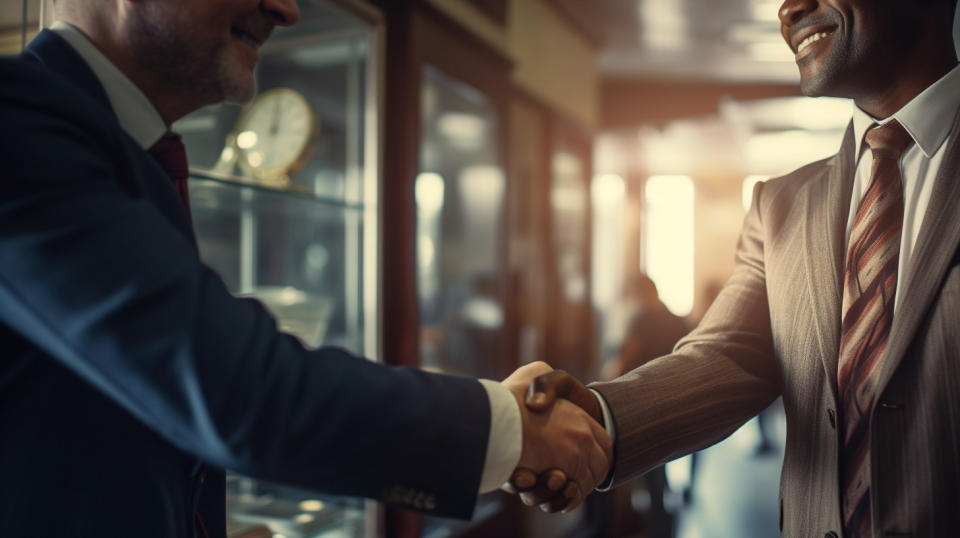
[(284, 201), (569, 343), (460, 196)]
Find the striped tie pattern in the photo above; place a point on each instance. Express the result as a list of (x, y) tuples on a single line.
[(869, 288)]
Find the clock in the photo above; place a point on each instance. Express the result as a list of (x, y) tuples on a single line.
[(275, 136)]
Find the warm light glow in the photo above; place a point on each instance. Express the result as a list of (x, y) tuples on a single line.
[(311, 505), (247, 139), (426, 251), (662, 153), (668, 245), (483, 312), (803, 113), (770, 51), (783, 151), (608, 195), (466, 131), (255, 158), (765, 10), (429, 193), (288, 296), (482, 186), (749, 183), (304, 518), (755, 32), (608, 190), (664, 24), (819, 113)]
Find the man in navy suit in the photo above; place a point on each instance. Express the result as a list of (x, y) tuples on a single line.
[(130, 378)]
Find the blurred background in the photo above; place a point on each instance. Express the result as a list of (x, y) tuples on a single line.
[(477, 184)]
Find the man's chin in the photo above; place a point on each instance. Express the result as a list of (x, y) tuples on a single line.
[(810, 89), (812, 84), (240, 91)]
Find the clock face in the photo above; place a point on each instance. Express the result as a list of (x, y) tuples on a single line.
[(276, 133)]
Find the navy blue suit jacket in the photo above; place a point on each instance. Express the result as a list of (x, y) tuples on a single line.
[(130, 378)]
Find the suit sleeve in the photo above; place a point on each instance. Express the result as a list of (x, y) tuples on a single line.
[(96, 277), (719, 376)]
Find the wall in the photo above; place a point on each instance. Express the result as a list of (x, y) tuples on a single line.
[(552, 60), (11, 22)]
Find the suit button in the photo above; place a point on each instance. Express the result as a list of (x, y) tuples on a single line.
[(833, 418), (830, 534)]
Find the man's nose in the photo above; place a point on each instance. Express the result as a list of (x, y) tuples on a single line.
[(283, 12), (793, 10)]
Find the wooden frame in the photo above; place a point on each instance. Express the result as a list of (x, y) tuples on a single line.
[(418, 34), (558, 130), (495, 9)]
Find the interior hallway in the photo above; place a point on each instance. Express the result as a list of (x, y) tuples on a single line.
[(735, 490)]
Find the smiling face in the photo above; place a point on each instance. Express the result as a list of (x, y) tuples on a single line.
[(850, 48), (205, 49)]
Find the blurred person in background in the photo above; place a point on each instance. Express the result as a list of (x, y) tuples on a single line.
[(844, 299), (651, 332)]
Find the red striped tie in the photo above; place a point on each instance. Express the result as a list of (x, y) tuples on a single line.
[(869, 288)]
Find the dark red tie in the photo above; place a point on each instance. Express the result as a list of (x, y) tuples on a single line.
[(869, 289), (171, 154)]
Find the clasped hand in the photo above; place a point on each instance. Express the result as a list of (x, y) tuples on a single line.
[(566, 451)]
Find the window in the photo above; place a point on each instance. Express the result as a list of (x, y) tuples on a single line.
[(668, 240)]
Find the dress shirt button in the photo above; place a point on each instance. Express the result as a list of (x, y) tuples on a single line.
[(832, 415)]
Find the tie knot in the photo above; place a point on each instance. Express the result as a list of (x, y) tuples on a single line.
[(171, 155), (890, 139)]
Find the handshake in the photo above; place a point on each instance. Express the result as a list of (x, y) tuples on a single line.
[(566, 450)]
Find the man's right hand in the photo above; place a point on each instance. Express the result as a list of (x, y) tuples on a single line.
[(551, 489), (547, 388), (561, 435)]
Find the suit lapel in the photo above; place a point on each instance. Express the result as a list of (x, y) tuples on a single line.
[(936, 245), (827, 207)]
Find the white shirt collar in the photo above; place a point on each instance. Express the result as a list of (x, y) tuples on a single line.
[(928, 117), (136, 114)]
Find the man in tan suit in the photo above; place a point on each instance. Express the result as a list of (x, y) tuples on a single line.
[(845, 298)]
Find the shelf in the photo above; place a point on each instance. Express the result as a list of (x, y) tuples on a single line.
[(292, 191)]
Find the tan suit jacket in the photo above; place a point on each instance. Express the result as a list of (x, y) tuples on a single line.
[(775, 329)]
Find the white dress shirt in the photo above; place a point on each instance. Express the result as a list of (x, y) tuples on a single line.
[(928, 118), (136, 114), (140, 119)]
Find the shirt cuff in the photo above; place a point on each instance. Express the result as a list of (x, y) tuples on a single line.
[(505, 442), (612, 432)]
